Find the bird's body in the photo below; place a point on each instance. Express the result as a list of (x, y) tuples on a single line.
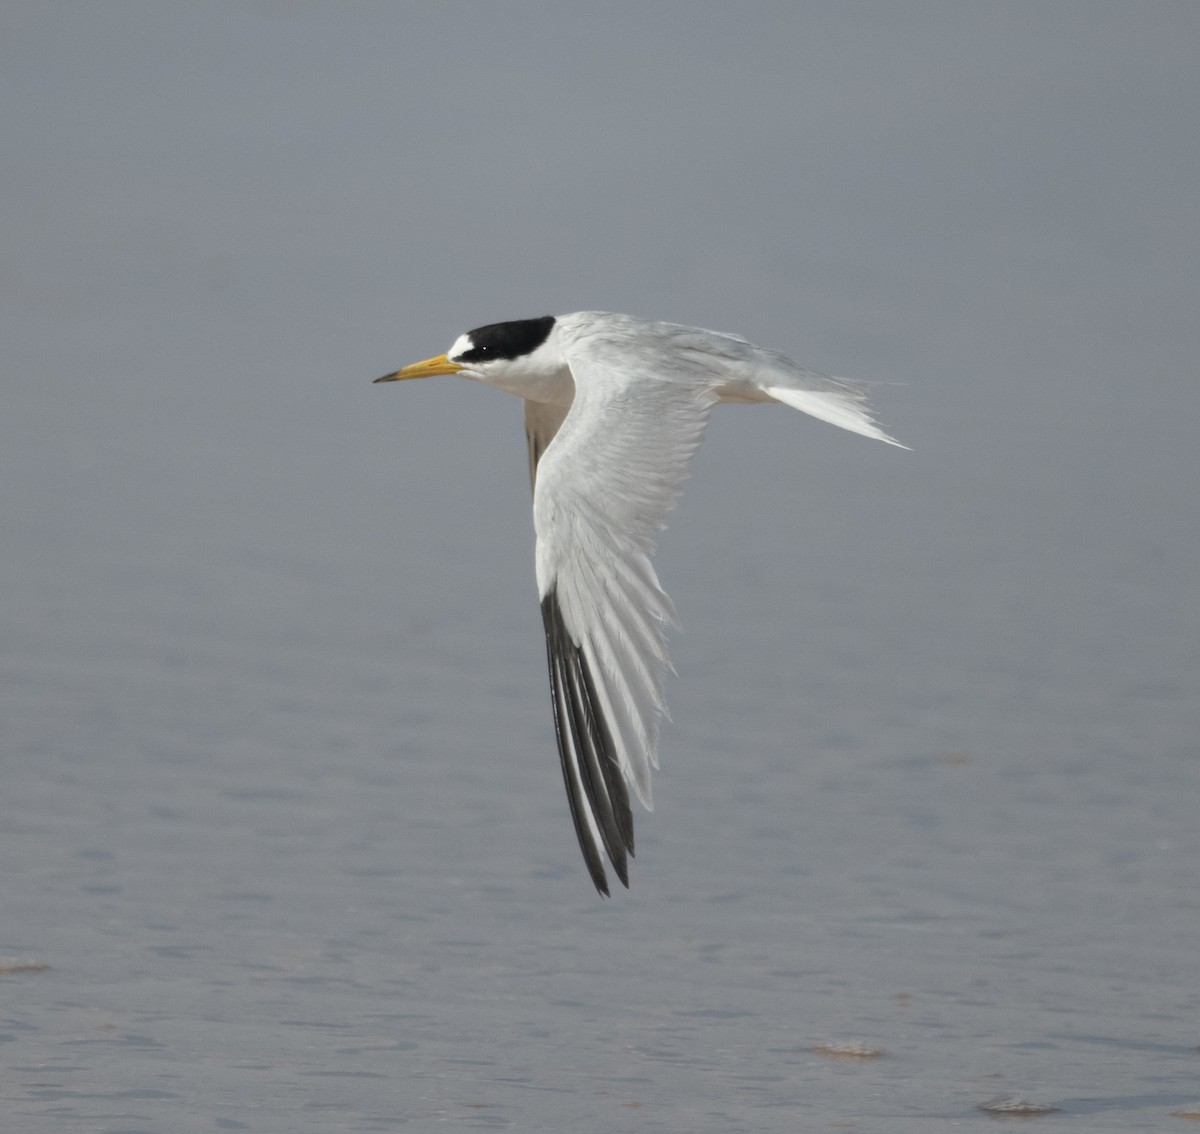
[(614, 409)]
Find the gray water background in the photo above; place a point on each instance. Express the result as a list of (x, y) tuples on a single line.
[(280, 811)]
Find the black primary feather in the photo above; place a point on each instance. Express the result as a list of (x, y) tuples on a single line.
[(590, 768)]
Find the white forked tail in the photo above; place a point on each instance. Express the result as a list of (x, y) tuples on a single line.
[(844, 405)]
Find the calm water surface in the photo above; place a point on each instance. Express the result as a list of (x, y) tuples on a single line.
[(286, 828)]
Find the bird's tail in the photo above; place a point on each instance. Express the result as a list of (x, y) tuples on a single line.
[(839, 402)]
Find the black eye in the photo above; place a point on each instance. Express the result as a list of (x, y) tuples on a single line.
[(479, 352)]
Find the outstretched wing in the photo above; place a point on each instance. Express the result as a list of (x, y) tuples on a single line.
[(603, 490)]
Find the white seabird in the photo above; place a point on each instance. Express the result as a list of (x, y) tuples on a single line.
[(614, 409)]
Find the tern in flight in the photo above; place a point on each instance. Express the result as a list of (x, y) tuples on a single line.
[(614, 409)]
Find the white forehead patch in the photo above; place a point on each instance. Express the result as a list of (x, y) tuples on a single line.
[(462, 344)]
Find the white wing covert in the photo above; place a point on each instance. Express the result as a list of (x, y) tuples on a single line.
[(603, 489)]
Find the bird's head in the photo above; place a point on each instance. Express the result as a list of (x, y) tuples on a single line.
[(518, 356)]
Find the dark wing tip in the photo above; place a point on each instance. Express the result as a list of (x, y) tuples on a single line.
[(591, 771)]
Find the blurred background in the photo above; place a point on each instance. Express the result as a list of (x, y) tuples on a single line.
[(280, 793)]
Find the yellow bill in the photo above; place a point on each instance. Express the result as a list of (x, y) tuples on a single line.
[(427, 369)]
